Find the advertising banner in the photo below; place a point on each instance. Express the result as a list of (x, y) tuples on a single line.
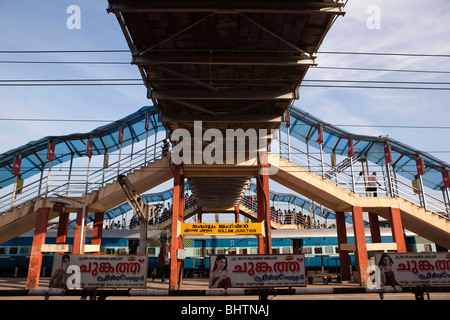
[(409, 269), (99, 271), (257, 271), (221, 228)]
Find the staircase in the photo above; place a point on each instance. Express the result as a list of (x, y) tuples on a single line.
[(22, 218), (433, 226)]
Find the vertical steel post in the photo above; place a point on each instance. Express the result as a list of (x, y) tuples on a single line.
[(70, 174), (289, 144), (321, 161), (422, 192), (352, 175), (389, 178), (48, 178)]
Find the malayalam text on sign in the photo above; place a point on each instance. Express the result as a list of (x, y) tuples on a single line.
[(221, 228)]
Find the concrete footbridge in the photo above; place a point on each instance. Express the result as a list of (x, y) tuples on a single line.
[(222, 78)]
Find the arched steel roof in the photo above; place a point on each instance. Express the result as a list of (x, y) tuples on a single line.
[(304, 127), (105, 140)]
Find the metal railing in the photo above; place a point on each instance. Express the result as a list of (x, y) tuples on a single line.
[(347, 176), (283, 217), (79, 178)]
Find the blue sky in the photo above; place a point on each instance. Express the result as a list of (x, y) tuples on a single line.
[(406, 26)]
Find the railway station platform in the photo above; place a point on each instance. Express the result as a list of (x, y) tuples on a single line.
[(197, 289)]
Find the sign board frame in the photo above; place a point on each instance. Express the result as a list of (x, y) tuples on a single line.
[(73, 271), (258, 271), (222, 228), (413, 269)]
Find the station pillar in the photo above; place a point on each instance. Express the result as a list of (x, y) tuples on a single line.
[(263, 209), (397, 229), (63, 227), (236, 214), (40, 232), (361, 256), (344, 257), (177, 219), (79, 238), (374, 227), (199, 214), (97, 231)]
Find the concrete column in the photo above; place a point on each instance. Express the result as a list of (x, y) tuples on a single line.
[(80, 233), (374, 227), (40, 232), (97, 232), (344, 257), (397, 229), (177, 218), (63, 226), (361, 257), (263, 209)]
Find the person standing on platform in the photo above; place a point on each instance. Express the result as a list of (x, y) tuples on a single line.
[(161, 270)]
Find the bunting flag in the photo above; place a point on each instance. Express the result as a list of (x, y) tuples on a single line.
[(351, 148), (420, 164), (19, 186), (320, 134), (90, 146), (147, 121), (446, 178), (106, 161), (121, 134), (287, 118), (16, 165), (333, 159), (387, 154), (51, 151)]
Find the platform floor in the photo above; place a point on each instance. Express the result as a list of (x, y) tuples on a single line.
[(202, 284)]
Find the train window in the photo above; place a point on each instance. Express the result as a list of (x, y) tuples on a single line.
[(3, 250), (427, 247), (220, 251), (209, 251), (336, 249), (286, 250), (232, 251), (151, 251), (242, 250), (307, 250), (253, 250), (13, 250), (328, 249), (109, 250), (318, 250), (275, 250), (198, 252), (24, 250)]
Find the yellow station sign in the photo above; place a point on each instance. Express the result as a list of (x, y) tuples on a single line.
[(221, 228)]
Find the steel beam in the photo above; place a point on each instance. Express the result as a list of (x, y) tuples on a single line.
[(222, 59), (223, 95), (221, 118), (289, 7)]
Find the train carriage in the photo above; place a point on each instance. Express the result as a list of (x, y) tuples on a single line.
[(320, 247)]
